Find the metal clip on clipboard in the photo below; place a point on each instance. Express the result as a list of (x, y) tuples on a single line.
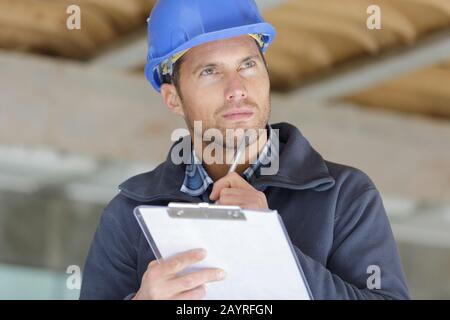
[(204, 210)]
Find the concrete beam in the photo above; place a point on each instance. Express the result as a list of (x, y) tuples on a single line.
[(125, 55), (369, 71)]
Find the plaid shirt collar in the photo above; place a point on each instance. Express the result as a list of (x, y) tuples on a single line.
[(197, 181)]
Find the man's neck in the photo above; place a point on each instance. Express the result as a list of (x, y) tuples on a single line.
[(217, 170)]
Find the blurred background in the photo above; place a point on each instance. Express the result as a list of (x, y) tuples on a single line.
[(77, 117)]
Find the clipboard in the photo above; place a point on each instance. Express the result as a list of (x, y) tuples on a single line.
[(253, 247)]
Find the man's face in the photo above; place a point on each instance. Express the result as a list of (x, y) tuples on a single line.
[(225, 85)]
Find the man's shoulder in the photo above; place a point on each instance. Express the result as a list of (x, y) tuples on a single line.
[(122, 205), (119, 210), (139, 183), (355, 193), (349, 178), (149, 187)]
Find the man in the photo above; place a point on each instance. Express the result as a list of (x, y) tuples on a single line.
[(207, 60)]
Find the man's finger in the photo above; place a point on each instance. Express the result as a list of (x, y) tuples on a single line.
[(194, 294), (234, 200), (153, 264), (179, 262), (233, 194), (231, 180), (195, 279), (243, 198)]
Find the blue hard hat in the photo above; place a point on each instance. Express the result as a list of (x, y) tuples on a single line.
[(177, 25)]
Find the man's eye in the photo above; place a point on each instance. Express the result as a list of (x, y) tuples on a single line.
[(249, 64), (207, 72)]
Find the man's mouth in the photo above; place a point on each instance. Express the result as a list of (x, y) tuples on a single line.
[(238, 114)]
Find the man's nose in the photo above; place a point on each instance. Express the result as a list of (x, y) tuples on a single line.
[(236, 90)]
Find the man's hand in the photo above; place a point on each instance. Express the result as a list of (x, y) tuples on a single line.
[(235, 190), (160, 281)]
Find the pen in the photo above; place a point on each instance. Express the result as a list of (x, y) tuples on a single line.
[(240, 150)]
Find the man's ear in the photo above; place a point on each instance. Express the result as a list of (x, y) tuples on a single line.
[(171, 98)]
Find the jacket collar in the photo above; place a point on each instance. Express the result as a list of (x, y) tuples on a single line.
[(300, 167)]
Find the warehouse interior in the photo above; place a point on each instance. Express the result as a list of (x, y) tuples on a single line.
[(375, 99)]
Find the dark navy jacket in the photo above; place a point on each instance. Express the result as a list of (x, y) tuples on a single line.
[(333, 214)]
